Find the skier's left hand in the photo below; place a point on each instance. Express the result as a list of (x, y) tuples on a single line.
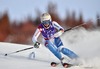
[(59, 33)]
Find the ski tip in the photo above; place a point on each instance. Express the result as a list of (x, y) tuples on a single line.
[(67, 65), (53, 64), (6, 54)]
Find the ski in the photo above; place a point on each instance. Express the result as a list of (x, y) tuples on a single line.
[(54, 64), (65, 65)]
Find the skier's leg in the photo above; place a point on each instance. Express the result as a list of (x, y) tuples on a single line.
[(53, 49), (69, 53), (65, 51), (58, 42)]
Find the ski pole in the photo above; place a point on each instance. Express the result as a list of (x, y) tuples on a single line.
[(74, 27), (18, 51)]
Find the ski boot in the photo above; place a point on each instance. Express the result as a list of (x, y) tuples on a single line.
[(65, 63)]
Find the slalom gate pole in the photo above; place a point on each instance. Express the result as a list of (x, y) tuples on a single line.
[(19, 51), (74, 27)]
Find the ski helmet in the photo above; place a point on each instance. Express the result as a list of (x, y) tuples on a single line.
[(45, 16), (46, 20)]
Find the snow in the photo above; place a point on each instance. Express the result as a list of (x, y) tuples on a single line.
[(85, 43)]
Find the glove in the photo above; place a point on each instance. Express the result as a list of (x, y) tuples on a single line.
[(37, 44), (58, 33)]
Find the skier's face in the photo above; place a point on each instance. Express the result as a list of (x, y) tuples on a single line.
[(46, 24)]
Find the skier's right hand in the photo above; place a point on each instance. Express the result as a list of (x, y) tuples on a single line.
[(36, 45)]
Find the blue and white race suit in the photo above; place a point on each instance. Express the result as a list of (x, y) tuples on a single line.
[(52, 42)]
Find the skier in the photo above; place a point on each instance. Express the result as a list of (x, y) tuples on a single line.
[(51, 32)]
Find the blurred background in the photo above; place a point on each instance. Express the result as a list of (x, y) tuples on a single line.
[(20, 18)]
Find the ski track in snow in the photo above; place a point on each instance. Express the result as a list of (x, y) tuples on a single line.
[(85, 43)]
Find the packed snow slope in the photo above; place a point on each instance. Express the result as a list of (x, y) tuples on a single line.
[(85, 43)]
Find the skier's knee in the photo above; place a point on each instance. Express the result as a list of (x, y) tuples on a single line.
[(60, 48)]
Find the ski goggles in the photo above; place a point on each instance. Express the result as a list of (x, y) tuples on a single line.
[(46, 22)]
